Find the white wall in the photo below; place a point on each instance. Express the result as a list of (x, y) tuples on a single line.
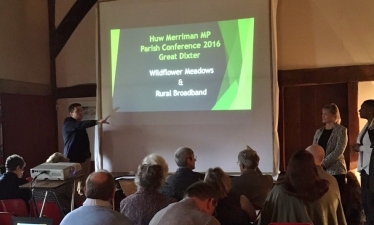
[(310, 34), (76, 63), (322, 33), (24, 50)]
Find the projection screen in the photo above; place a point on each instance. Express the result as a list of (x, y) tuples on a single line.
[(194, 73)]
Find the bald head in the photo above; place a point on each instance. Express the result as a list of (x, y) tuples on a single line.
[(100, 185), (317, 152)]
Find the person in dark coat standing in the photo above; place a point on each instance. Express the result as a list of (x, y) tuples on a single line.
[(76, 142), (364, 146)]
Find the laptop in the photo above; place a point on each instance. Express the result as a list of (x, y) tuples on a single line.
[(31, 221)]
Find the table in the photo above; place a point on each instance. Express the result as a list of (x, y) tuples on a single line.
[(50, 185)]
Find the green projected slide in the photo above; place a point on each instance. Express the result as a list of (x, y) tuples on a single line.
[(192, 67)]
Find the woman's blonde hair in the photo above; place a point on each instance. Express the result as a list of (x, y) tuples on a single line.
[(154, 159), (57, 157), (334, 110), (219, 180)]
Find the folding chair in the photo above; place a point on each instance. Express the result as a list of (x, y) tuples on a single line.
[(6, 218), (48, 209), (16, 206)]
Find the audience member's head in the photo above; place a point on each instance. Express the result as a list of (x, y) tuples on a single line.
[(57, 157), (100, 185), (352, 180), (317, 152), (367, 109), (369, 102), (149, 177), (76, 111), (331, 112), (15, 164), (154, 159), (248, 159), (184, 157), (302, 180), (353, 208), (204, 195), (219, 180)]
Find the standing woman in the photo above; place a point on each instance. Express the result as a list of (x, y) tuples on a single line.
[(364, 146), (333, 139)]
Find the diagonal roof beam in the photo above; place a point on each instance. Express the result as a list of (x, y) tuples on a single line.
[(70, 22)]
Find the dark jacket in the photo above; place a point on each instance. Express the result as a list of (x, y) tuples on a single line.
[(229, 211), (371, 166), (254, 186), (181, 180), (76, 142), (9, 187)]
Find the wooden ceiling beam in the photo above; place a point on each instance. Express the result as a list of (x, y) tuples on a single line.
[(77, 91), (327, 75), (70, 22)]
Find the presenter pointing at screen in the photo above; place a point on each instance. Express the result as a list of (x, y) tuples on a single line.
[(76, 142)]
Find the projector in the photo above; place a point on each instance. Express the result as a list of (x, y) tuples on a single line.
[(55, 171)]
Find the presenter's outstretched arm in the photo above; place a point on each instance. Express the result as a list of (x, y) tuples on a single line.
[(102, 121)]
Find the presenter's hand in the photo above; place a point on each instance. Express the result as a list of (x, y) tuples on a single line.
[(356, 147), (103, 120)]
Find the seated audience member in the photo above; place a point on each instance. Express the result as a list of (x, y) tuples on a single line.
[(318, 155), (154, 159), (184, 176), (141, 206), (232, 208), (353, 209), (302, 196), (195, 209), (97, 210), (118, 196), (251, 182), (12, 179), (63, 193)]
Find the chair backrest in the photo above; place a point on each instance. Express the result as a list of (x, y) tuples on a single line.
[(15, 206), (51, 210), (6, 218)]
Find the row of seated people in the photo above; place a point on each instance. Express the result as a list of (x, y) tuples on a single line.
[(177, 184), (301, 197), (306, 194), (13, 178), (150, 198)]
